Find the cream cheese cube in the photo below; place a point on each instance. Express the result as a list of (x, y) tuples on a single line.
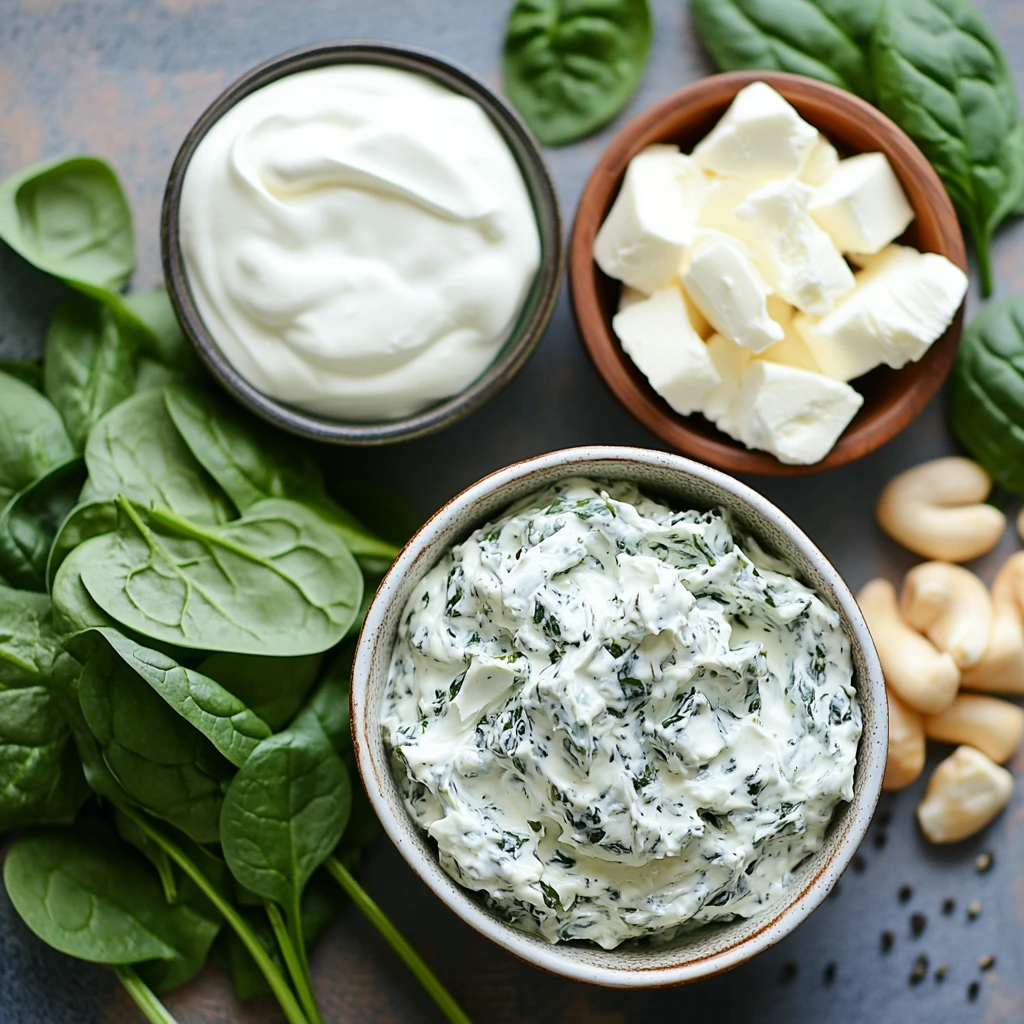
[(794, 414), (630, 296), (862, 204), (903, 301), (652, 220), (821, 162), (730, 361), (759, 136), (658, 336), (802, 264), (718, 212), (719, 275), (792, 350)]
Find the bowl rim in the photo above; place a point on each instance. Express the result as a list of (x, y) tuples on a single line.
[(562, 959), (533, 317), (604, 349)]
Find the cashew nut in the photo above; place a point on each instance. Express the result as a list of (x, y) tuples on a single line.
[(1001, 669), (936, 510), (920, 675), (992, 725), (905, 759), (951, 606), (965, 792)]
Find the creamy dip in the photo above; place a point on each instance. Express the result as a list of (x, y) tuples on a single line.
[(358, 240), (619, 720)]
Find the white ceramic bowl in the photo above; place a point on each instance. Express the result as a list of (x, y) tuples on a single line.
[(686, 484)]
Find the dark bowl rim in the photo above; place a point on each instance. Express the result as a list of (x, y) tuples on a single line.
[(536, 310), (717, 449)]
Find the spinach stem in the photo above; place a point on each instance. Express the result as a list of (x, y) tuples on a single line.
[(285, 996), (441, 996), (296, 962), (145, 998)]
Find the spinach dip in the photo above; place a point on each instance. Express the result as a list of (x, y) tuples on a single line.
[(619, 720)]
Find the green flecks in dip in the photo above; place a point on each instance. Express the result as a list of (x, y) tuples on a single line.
[(617, 720)]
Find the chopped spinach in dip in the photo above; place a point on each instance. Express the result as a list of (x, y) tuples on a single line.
[(618, 720)]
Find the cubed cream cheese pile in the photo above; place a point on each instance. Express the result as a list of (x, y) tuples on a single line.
[(760, 277)]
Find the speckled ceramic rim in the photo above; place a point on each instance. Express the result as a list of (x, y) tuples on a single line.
[(533, 317), (707, 951)]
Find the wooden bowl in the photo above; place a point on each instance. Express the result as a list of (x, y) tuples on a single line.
[(892, 398)]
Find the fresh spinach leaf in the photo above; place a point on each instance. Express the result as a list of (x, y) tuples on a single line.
[(70, 218), (161, 762), (986, 392), (136, 452), (274, 688), (28, 644), (86, 893), (825, 39), (942, 77), (84, 521), (91, 358), (207, 706), (32, 437), (40, 778), (29, 523), (130, 832), (571, 65), (164, 342), (284, 813), (74, 611), (277, 582), (28, 371), (254, 462)]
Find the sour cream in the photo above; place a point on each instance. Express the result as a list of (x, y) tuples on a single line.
[(358, 240), (619, 720)]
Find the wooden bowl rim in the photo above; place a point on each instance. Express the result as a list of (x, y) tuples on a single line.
[(809, 96)]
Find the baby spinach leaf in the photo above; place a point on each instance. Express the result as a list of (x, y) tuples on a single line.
[(28, 644), (161, 762), (825, 39), (215, 712), (91, 357), (284, 813), (136, 452), (329, 704), (273, 687), (29, 523), (190, 931), (28, 371), (89, 895), (32, 437), (986, 392), (941, 76), (74, 611), (571, 65), (40, 776), (253, 462), (70, 218), (84, 521), (278, 581), (164, 340)]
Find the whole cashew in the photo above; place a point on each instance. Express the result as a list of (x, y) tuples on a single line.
[(937, 510), (920, 675), (1001, 669), (965, 792), (905, 759), (951, 606), (992, 725)]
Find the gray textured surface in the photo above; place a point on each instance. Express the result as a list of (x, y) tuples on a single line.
[(124, 79)]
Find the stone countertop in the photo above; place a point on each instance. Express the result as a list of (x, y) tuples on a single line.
[(125, 79)]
